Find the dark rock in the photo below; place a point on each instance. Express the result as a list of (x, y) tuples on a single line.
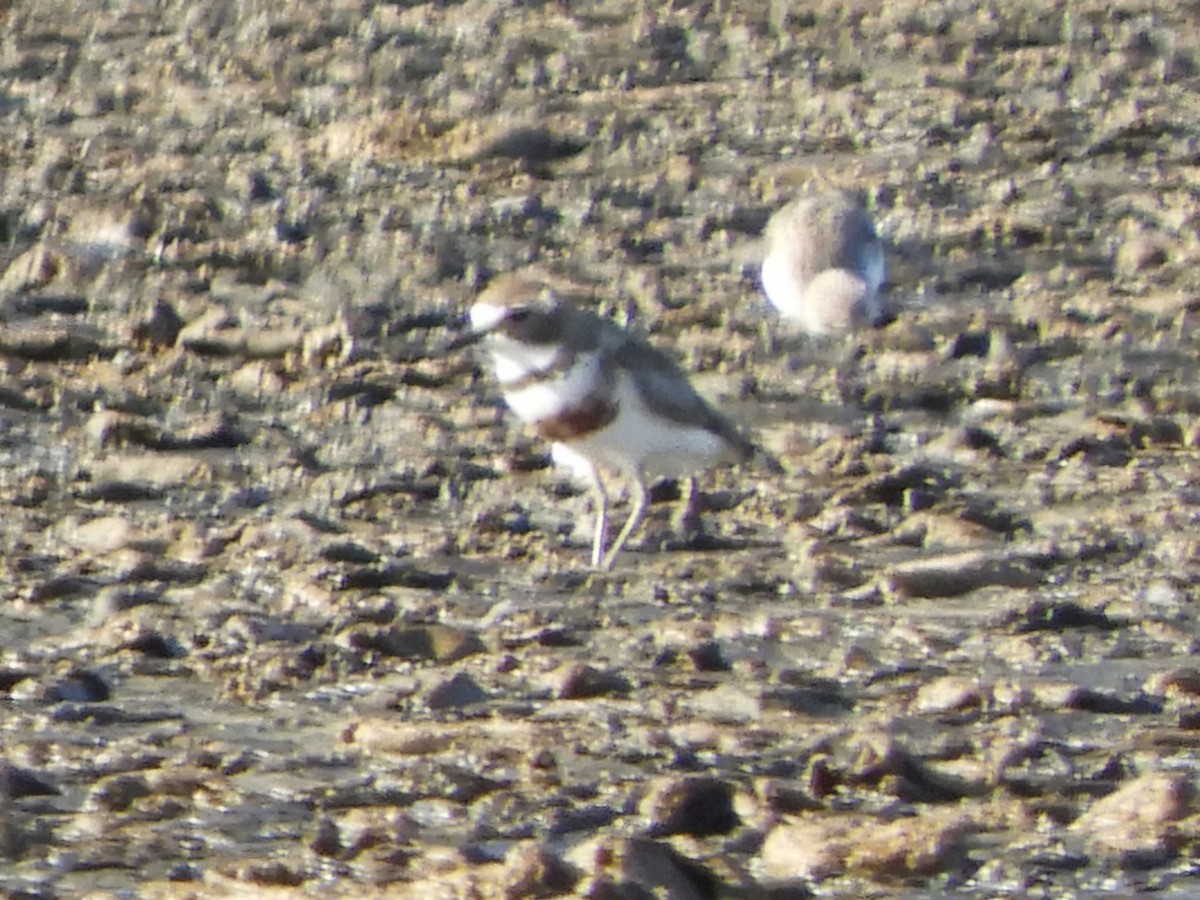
[(697, 806), (16, 782)]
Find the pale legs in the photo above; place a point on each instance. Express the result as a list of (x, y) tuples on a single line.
[(641, 500), (600, 499)]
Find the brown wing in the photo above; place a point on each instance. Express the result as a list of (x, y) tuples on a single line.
[(834, 230), (666, 390)]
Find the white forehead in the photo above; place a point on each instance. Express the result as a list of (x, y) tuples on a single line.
[(485, 316)]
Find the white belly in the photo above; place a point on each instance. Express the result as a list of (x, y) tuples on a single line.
[(782, 288), (835, 299), (637, 437)]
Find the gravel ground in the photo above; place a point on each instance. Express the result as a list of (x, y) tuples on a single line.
[(291, 606)]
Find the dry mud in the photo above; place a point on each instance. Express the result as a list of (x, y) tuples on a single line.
[(290, 608)]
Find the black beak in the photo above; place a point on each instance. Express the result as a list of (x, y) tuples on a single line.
[(465, 338)]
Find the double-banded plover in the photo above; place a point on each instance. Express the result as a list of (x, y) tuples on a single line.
[(604, 398)]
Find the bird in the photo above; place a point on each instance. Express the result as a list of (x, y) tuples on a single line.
[(603, 397), (823, 264)]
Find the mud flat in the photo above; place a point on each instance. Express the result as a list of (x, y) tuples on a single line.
[(290, 607)]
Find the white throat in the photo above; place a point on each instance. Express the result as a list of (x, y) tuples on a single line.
[(515, 360)]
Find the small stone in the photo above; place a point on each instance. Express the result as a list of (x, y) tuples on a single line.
[(440, 643), (160, 330), (920, 846), (1062, 615), (725, 703), (52, 341), (1134, 822), (264, 873), (951, 693), (78, 686), (699, 806), (257, 378), (1182, 682), (530, 144), (820, 847), (532, 870), (639, 867), (809, 848), (17, 837), (381, 735), (99, 536), (954, 574), (819, 698), (147, 471), (327, 841), (201, 329), (1064, 696), (36, 267), (579, 681), (708, 657), (582, 818), (115, 599), (118, 793), (785, 798), (1163, 594), (17, 782), (461, 690), (1138, 252)]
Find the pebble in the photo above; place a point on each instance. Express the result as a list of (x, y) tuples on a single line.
[(260, 873), (1182, 683), (699, 806), (78, 686), (160, 330), (17, 782), (55, 341), (819, 847), (532, 870), (99, 536), (579, 681), (35, 268), (1136, 819), (810, 849), (923, 845), (438, 643), (1139, 252), (154, 471), (118, 792), (639, 867), (954, 574), (384, 735), (457, 691), (951, 693)]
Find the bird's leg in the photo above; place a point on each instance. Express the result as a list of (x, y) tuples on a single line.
[(641, 499), (687, 521), (600, 500), (770, 337), (847, 372)]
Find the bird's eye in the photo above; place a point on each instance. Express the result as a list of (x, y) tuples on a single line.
[(519, 315)]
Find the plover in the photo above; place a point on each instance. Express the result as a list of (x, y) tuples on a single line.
[(824, 264), (604, 398)]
